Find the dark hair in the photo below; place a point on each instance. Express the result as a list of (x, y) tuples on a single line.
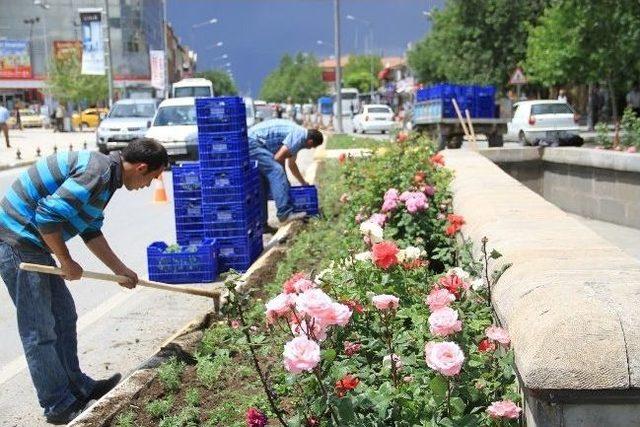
[(146, 150), (316, 136)]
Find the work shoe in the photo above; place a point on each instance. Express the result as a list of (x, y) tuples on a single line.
[(103, 387), (269, 229), (68, 415), (292, 217)]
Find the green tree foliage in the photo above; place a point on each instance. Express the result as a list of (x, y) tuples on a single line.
[(586, 42), (362, 71), (475, 41), (222, 83), (299, 78), (67, 84)]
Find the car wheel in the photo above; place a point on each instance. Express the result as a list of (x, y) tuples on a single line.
[(383, 131), (362, 131), (354, 130), (522, 139)]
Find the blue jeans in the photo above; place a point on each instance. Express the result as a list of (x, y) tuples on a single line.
[(276, 176), (47, 326)]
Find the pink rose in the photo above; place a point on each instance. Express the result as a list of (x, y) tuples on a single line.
[(439, 298), (386, 302), (444, 357), (317, 331), (360, 218), (504, 409), (338, 315), (351, 348), (396, 361), (314, 303), (389, 205), (378, 218), (631, 150), (301, 354), (391, 194), (498, 334), (303, 284), (279, 306), (444, 321), (406, 195), (235, 324), (429, 190)]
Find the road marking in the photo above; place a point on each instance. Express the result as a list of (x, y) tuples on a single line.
[(19, 364)]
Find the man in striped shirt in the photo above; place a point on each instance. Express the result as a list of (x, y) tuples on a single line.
[(57, 198)]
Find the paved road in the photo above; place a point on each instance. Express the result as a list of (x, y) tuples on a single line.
[(118, 329)]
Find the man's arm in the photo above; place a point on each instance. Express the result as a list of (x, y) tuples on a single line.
[(101, 249), (282, 154), (293, 166), (71, 269)]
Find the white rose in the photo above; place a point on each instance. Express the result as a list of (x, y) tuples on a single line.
[(460, 273), (401, 255), (374, 231), (412, 252), (477, 284), (363, 256)]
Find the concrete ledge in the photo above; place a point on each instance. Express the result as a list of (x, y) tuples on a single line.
[(570, 299), (512, 154), (602, 159)]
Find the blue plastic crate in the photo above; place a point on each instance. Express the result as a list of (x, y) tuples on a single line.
[(223, 142), (305, 199), (186, 180), (248, 194), (234, 126), (190, 237), (239, 252), (193, 264), (234, 160), (188, 209), (219, 110), (223, 178)]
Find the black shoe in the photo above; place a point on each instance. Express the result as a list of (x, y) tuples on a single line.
[(103, 387), (269, 230), (68, 415)]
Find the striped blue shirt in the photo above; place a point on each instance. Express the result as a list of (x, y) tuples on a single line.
[(273, 134), (66, 191)]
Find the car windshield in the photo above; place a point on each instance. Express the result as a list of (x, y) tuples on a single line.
[(349, 95), (379, 110), (551, 109), (132, 110), (181, 92), (176, 115), (264, 110)]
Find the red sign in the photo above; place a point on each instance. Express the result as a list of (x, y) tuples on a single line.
[(329, 76)]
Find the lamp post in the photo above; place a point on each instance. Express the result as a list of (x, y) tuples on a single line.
[(370, 50), (45, 6), (336, 41)]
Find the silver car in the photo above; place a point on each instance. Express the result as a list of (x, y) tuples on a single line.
[(128, 119)]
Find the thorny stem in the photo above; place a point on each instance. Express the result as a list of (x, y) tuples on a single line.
[(388, 339), (448, 398), (256, 364), (316, 372), (486, 266)]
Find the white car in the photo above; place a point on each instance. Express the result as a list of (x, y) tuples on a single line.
[(175, 127), (542, 119), (374, 118), (128, 119)]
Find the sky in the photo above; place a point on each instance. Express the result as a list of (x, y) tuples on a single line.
[(256, 33)]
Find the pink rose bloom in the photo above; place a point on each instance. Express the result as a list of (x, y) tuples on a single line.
[(498, 334), (288, 286), (631, 150), (389, 205), (391, 194), (429, 190), (444, 321), (279, 306), (338, 315), (415, 201), (439, 298), (303, 284), (386, 302), (444, 357), (378, 218), (235, 324), (317, 331), (406, 195), (396, 361), (504, 409), (360, 218), (314, 303), (344, 198), (351, 348), (301, 354)]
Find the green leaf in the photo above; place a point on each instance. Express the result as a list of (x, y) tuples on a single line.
[(329, 355), (345, 411), (495, 254), (457, 405), (439, 386)]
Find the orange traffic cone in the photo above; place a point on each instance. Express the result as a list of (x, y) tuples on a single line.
[(160, 194)]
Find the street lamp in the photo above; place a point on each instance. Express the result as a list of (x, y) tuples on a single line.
[(45, 6), (207, 22)]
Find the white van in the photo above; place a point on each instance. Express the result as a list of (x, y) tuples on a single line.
[(176, 128), (196, 87)]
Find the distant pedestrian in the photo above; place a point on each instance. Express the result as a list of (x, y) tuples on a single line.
[(352, 108), (633, 98), (18, 118), (562, 96), (4, 116), (59, 118), (279, 111)]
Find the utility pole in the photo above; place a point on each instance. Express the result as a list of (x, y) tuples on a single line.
[(109, 62), (166, 51), (336, 35)]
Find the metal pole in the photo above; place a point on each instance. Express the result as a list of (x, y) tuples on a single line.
[(166, 51), (109, 62), (371, 62), (336, 35), (46, 42)]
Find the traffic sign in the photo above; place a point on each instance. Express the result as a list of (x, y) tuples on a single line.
[(518, 77)]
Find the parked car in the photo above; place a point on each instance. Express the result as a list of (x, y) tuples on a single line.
[(264, 111), (127, 120), (174, 126), (251, 111), (542, 119), (374, 118), (89, 118), (28, 118)]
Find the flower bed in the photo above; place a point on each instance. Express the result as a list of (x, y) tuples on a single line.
[(386, 320)]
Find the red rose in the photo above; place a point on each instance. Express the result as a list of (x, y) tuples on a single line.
[(416, 263), (453, 284), (486, 345), (455, 223), (419, 177), (354, 305), (437, 159), (348, 382), (342, 158), (255, 418), (385, 255)]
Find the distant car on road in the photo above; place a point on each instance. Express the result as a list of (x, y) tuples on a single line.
[(89, 118), (127, 120), (264, 111), (374, 118), (175, 127), (542, 119), (28, 118), (251, 111)]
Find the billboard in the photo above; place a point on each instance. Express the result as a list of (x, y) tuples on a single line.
[(64, 49), (156, 58), (15, 61), (92, 45)]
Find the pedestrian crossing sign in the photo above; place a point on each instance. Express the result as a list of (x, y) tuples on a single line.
[(518, 77)]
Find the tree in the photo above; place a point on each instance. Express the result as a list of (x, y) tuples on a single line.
[(222, 83), (299, 79), (587, 42), (67, 84), (475, 41), (361, 72)]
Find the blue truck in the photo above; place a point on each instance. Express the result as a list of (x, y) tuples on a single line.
[(434, 113)]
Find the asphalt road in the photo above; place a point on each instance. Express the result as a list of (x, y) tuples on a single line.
[(118, 329)]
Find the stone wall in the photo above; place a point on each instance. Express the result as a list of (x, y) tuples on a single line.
[(569, 300)]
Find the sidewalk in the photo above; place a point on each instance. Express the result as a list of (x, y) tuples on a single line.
[(28, 141)]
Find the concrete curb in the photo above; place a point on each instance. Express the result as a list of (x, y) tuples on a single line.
[(20, 164)]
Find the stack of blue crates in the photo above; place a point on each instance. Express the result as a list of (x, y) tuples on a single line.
[(230, 182), (479, 100)]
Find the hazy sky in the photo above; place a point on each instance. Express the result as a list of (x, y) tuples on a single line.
[(256, 33)]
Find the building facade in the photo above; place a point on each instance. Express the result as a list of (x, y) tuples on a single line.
[(135, 27)]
